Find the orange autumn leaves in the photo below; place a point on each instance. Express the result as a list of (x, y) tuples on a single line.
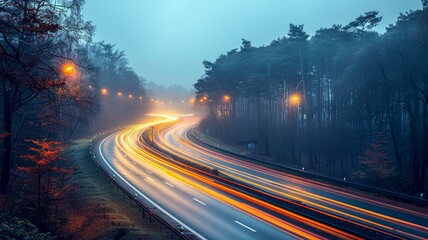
[(47, 175), (44, 157)]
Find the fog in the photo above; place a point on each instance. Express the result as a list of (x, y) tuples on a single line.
[(166, 41)]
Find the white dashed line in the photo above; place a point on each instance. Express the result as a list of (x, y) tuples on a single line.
[(149, 178), (245, 226), (139, 192), (199, 201), (169, 184)]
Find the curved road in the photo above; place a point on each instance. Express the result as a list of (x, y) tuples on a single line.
[(188, 199), (404, 220)]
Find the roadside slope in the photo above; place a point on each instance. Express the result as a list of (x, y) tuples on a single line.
[(100, 210)]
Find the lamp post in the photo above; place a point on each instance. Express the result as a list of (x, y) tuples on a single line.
[(226, 98), (117, 96), (104, 92), (68, 70), (130, 97), (295, 99)]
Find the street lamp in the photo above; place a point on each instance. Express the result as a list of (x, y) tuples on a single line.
[(104, 92), (203, 99), (130, 97), (295, 101), (226, 98), (119, 94), (68, 69)]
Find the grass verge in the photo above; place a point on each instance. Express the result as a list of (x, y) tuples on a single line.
[(99, 210)]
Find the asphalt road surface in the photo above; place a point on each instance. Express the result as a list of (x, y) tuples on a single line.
[(401, 219), (190, 200)]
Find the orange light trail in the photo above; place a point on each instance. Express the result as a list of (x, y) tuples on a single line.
[(129, 142), (178, 134)]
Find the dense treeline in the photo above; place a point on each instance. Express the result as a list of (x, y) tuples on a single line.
[(54, 82), (123, 97), (348, 101)]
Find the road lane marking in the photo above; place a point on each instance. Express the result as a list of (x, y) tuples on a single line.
[(150, 178), (245, 226), (169, 184), (143, 195), (199, 201), (148, 172)]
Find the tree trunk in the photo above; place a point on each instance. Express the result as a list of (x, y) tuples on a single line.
[(7, 144)]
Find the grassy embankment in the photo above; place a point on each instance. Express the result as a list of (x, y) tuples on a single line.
[(100, 210)]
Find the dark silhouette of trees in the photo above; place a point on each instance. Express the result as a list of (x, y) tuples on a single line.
[(364, 23), (345, 100), (122, 96), (36, 38), (55, 83), (52, 77)]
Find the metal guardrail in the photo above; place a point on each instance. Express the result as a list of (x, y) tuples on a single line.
[(381, 192), (151, 213)]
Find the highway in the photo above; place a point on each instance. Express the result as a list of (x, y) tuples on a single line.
[(203, 207), (401, 219)]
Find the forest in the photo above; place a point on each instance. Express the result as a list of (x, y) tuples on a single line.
[(348, 102), (56, 84)]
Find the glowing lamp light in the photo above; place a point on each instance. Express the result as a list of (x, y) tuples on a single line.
[(104, 91), (295, 98), (68, 69), (130, 95), (119, 94), (226, 98)]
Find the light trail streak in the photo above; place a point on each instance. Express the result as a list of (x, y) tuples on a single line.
[(128, 141), (199, 154), (144, 196)]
